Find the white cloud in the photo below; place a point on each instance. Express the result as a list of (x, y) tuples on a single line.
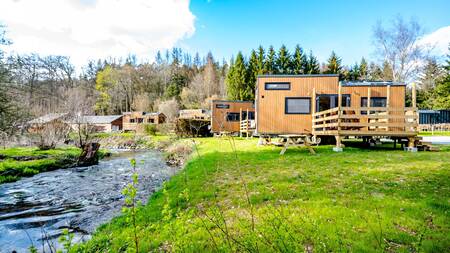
[(92, 29), (439, 40)]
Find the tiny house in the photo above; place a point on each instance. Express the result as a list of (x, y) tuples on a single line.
[(320, 105), (132, 121), (227, 115)]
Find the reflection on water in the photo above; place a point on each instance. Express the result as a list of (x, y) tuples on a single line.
[(79, 199)]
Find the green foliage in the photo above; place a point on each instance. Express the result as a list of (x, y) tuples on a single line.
[(270, 62), (66, 240), (334, 64), (312, 65), (177, 82), (105, 81), (130, 208), (283, 61), (150, 129), (356, 201), (363, 69), (299, 61), (12, 168), (238, 87)]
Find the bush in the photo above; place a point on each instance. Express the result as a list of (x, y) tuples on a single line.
[(151, 129)]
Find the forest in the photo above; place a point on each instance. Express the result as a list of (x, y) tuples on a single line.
[(33, 84)]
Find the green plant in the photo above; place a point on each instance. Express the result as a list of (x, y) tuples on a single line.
[(66, 240), (131, 204), (151, 129)]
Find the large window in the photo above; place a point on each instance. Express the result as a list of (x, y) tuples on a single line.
[(233, 116), (222, 106), (374, 102), (251, 115), (298, 105), (325, 102), (277, 86)]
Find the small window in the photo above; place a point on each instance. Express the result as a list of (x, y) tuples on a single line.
[(151, 120), (222, 106), (374, 102), (298, 105), (277, 86), (251, 115), (132, 120), (140, 120), (233, 116)]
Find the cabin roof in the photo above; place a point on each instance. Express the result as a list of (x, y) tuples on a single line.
[(371, 83), (47, 118), (144, 113), (299, 76), (232, 101), (88, 119)]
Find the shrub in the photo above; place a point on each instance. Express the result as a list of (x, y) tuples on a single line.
[(150, 129)]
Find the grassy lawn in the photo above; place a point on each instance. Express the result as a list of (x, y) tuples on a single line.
[(13, 166), (253, 199), (435, 133)]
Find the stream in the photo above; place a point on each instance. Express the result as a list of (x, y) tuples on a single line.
[(35, 210)]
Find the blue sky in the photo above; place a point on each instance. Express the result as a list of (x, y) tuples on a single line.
[(227, 26), (97, 29)]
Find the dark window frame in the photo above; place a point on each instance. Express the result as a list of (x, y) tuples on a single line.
[(223, 106), (372, 99), (251, 113), (234, 120), (133, 120), (344, 98), (302, 113), (283, 83)]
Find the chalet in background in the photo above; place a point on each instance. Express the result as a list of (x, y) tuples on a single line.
[(54, 119), (105, 124), (232, 116), (132, 121), (320, 106), (197, 114)]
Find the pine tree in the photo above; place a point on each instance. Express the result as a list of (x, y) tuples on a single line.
[(269, 64), (334, 64), (283, 61), (312, 66), (442, 90), (388, 74), (375, 72), (252, 74), (237, 79), (261, 56), (299, 61), (363, 69)]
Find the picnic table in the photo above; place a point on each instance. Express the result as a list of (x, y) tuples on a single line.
[(297, 140)]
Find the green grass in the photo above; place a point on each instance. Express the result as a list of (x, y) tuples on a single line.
[(12, 169), (359, 200), (435, 133)]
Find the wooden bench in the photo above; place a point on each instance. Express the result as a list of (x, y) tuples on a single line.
[(297, 140)]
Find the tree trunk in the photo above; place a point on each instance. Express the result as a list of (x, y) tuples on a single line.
[(89, 155)]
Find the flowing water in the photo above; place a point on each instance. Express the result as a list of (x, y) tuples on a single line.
[(35, 210)]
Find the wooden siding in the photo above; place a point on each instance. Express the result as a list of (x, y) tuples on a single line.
[(146, 119), (270, 104), (219, 121)]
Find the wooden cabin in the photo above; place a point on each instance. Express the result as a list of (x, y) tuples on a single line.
[(133, 121), (104, 124), (199, 114), (52, 119), (229, 115), (320, 105)]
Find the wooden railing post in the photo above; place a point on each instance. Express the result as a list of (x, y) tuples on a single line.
[(368, 107), (313, 108), (414, 106), (388, 104), (339, 107)]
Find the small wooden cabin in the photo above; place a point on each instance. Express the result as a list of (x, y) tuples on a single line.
[(133, 120), (198, 114), (320, 105), (104, 124), (52, 119), (227, 115)]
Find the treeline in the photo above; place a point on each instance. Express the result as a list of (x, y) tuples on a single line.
[(243, 71)]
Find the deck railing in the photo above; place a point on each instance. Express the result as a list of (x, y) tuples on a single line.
[(366, 121), (247, 126)]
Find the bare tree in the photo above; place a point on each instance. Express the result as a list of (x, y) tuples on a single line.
[(399, 46), (170, 108)]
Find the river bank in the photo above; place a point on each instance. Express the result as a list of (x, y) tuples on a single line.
[(35, 210), (19, 162)]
